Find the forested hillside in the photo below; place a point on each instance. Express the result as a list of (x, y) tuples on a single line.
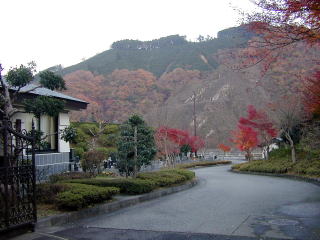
[(158, 79), (162, 55)]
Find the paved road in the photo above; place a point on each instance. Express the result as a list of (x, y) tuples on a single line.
[(222, 203)]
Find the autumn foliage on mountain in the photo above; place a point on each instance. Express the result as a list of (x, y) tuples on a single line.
[(311, 94), (116, 96), (157, 79)]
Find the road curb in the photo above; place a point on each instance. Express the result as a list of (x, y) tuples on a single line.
[(315, 181), (105, 208)]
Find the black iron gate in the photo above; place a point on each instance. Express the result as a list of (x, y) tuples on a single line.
[(17, 177)]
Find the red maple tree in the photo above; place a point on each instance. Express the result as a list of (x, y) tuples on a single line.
[(246, 139), (196, 143), (259, 121), (170, 140), (224, 148)]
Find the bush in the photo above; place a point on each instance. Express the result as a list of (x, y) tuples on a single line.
[(129, 186), (165, 178), (68, 176), (80, 196), (162, 180), (313, 171), (280, 153), (144, 183), (92, 161), (280, 162), (46, 192), (188, 174), (265, 166), (202, 164)]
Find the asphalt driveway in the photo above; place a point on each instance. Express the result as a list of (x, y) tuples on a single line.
[(223, 204)]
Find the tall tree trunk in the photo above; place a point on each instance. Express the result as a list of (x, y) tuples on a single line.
[(135, 151), (249, 155), (293, 154), (293, 150)]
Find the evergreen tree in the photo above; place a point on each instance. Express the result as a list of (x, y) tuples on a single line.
[(136, 146)]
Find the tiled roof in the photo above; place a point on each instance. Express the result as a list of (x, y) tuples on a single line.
[(47, 92)]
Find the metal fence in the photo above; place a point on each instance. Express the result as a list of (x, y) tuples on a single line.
[(17, 178)]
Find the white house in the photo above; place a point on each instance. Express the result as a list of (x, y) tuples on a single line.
[(56, 155)]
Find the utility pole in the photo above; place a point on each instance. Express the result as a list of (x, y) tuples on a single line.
[(194, 117), (135, 151)]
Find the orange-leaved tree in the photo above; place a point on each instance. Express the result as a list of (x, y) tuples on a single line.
[(224, 148), (246, 139), (169, 141), (260, 122)]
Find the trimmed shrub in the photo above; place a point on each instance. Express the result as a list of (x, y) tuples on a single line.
[(81, 195), (68, 176), (169, 177), (202, 164), (129, 186), (280, 162), (46, 192), (162, 180), (264, 166), (313, 171), (188, 174)]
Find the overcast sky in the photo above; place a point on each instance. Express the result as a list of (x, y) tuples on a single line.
[(52, 32)]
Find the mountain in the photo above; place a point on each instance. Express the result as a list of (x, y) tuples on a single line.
[(159, 78), (162, 55)]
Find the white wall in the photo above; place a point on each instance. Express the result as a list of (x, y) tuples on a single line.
[(26, 120), (63, 122)]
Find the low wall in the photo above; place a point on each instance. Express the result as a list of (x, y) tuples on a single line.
[(52, 163)]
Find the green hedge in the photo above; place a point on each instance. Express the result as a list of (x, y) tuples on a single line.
[(129, 186), (47, 192), (69, 175), (168, 177), (280, 163), (263, 166), (144, 183), (186, 173), (81, 195), (202, 164)]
